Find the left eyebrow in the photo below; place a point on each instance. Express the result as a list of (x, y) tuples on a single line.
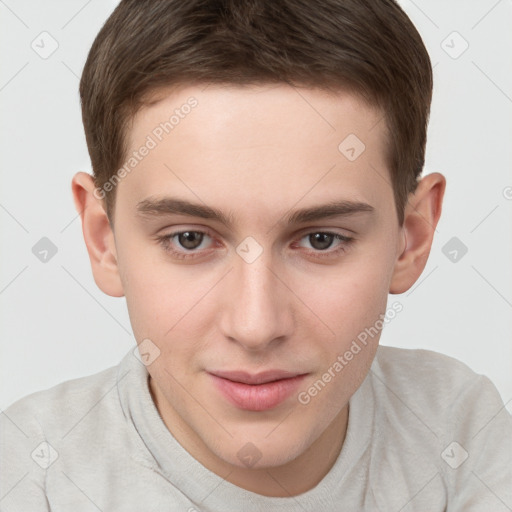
[(151, 207), (341, 208)]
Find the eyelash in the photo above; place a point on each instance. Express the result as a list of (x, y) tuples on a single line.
[(165, 241)]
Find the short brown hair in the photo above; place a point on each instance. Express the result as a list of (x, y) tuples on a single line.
[(369, 47)]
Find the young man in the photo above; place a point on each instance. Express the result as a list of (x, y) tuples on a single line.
[(256, 197)]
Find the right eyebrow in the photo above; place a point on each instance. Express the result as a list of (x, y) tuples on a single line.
[(172, 206)]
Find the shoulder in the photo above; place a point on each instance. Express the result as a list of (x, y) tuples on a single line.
[(41, 412), (418, 366), (55, 430), (67, 392), (434, 417), (438, 389)]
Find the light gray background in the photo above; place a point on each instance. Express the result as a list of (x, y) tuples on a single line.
[(57, 325)]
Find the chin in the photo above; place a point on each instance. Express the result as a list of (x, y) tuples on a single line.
[(264, 451)]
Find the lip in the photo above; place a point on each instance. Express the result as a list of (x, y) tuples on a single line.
[(256, 392), (254, 378)]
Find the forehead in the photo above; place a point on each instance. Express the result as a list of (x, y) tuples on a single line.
[(267, 146), (263, 112)]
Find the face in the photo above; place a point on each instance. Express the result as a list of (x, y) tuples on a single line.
[(245, 312)]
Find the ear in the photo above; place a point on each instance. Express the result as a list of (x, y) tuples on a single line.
[(421, 216), (98, 235)]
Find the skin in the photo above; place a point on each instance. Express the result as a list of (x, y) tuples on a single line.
[(258, 153)]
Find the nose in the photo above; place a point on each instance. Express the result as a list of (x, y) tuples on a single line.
[(258, 308)]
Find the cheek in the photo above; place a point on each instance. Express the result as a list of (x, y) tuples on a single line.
[(152, 294), (352, 298), (351, 305), (160, 306), (167, 305)]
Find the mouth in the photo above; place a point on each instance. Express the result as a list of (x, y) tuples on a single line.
[(256, 392)]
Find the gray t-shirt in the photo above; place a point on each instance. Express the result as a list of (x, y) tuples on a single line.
[(425, 433)]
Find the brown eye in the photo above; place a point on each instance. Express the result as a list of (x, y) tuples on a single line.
[(190, 239), (184, 244), (321, 241)]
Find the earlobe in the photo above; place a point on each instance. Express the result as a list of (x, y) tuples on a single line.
[(98, 235), (422, 214)]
